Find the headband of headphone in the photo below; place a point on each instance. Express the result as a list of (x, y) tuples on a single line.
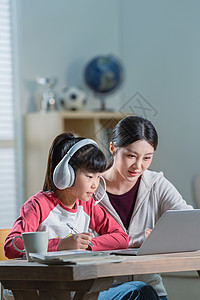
[(64, 174)]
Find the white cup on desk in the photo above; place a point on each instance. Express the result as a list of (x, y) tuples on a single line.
[(34, 242)]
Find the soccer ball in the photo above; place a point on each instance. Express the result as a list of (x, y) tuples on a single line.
[(74, 98)]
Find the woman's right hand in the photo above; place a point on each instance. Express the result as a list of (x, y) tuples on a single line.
[(75, 241), (147, 232)]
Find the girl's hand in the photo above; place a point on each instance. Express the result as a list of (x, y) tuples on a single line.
[(147, 232), (75, 241)]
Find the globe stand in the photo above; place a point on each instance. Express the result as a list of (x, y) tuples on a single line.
[(103, 105)]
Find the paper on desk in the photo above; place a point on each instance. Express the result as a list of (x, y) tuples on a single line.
[(74, 257)]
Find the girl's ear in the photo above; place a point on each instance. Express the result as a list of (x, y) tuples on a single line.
[(112, 148)]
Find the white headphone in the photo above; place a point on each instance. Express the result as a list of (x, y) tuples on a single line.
[(64, 174)]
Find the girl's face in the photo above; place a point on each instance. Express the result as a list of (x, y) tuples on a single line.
[(85, 185), (131, 161)]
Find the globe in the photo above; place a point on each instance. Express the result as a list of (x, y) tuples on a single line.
[(103, 75)]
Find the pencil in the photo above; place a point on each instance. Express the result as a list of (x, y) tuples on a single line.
[(76, 231)]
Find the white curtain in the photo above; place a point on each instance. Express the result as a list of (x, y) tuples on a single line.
[(7, 136)]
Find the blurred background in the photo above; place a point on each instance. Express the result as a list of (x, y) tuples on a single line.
[(158, 44)]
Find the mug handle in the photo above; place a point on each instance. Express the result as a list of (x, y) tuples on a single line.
[(13, 243)]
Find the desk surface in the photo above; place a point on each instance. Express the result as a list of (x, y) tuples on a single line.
[(22, 275)]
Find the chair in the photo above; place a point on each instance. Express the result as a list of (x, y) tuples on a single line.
[(3, 235), (196, 187)]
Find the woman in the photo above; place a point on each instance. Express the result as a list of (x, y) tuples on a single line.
[(137, 197)]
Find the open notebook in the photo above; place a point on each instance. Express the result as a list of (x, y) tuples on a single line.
[(175, 231)]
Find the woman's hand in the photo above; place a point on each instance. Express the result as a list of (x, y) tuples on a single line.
[(75, 241), (147, 232)]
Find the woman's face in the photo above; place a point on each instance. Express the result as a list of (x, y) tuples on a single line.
[(131, 161)]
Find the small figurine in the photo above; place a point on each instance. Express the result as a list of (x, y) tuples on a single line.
[(74, 98)]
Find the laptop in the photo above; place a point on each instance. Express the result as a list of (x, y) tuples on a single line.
[(175, 231)]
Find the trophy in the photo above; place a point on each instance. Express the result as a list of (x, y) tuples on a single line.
[(48, 102)]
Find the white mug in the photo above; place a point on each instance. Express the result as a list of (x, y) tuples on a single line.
[(34, 242)]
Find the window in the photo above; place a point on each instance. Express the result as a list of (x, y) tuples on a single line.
[(8, 201)]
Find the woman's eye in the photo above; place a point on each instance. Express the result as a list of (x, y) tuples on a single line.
[(131, 155), (147, 158)]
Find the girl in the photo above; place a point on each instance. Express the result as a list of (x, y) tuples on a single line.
[(137, 197), (73, 173)]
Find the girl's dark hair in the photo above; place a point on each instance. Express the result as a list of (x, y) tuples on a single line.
[(89, 158), (132, 129)]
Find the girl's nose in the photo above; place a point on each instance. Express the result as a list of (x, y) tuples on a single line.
[(95, 184)]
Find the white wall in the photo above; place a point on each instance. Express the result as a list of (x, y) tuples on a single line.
[(161, 51), (159, 44), (59, 37)]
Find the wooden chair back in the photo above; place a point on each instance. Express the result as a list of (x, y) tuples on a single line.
[(3, 235)]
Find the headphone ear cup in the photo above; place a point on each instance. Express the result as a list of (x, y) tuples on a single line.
[(63, 176), (71, 175)]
